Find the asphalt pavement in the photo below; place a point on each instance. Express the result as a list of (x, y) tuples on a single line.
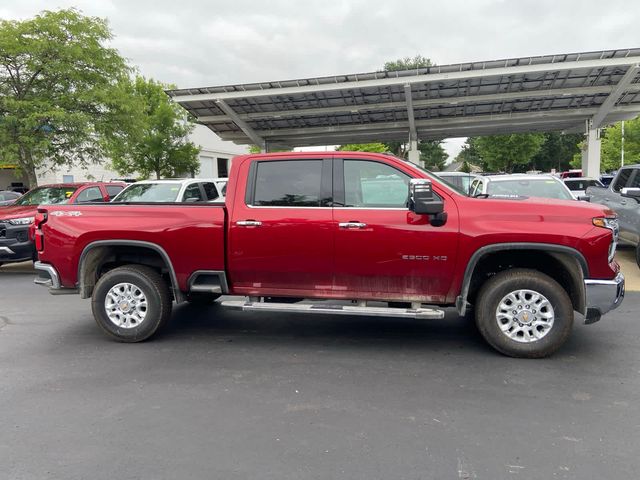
[(230, 395)]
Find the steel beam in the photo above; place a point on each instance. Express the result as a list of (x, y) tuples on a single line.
[(423, 78), (248, 131), (618, 90), (408, 96), (432, 102)]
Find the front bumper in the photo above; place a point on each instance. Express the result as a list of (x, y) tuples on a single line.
[(15, 245), (603, 296)]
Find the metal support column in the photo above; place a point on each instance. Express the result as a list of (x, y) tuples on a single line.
[(414, 153), (591, 152)]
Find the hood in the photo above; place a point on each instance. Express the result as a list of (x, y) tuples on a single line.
[(18, 211), (570, 210)]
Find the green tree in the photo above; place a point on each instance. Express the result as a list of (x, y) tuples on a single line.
[(364, 147), (161, 146), (63, 93), (408, 63), (612, 145), (508, 152), (556, 151)]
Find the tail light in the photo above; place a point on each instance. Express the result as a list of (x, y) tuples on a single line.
[(36, 229)]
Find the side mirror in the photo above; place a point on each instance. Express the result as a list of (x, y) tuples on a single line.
[(631, 193), (191, 200), (423, 202)]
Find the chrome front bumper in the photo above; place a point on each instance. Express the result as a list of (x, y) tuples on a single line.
[(603, 296)]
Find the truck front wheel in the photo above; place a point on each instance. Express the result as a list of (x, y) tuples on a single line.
[(524, 313), (131, 303)]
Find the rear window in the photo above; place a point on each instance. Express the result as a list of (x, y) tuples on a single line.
[(47, 196), (149, 192), (546, 188), (288, 183), (114, 190)]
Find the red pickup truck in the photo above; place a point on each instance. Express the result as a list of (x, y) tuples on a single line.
[(368, 234)]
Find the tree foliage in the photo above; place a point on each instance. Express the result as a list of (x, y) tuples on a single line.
[(504, 153), (63, 93), (160, 147), (556, 151), (612, 145), (408, 63), (364, 147)]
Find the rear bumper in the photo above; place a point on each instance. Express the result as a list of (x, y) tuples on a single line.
[(47, 276), (603, 296)]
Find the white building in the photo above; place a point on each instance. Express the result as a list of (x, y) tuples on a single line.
[(215, 160)]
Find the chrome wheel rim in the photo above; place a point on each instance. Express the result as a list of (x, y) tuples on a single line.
[(126, 305), (525, 316)]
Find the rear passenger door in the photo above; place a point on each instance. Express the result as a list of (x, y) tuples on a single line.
[(280, 233)]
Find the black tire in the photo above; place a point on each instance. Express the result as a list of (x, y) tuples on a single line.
[(497, 288), (637, 255), (154, 288), (202, 299)]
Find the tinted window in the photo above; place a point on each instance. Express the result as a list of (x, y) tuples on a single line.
[(210, 190), (581, 184), (92, 194), (47, 196), (374, 185), (546, 188), (635, 180), (150, 192), (288, 183), (622, 179), (223, 169), (113, 190), (192, 193)]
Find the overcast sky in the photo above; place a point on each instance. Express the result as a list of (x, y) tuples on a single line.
[(195, 43)]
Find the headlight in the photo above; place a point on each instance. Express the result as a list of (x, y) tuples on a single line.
[(21, 221), (610, 223)]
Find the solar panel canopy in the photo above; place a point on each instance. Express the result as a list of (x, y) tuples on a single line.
[(565, 92)]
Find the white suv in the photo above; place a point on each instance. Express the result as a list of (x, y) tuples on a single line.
[(190, 190)]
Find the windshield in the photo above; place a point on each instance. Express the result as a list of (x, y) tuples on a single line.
[(149, 192), (46, 196), (546, 188), (582, 184)]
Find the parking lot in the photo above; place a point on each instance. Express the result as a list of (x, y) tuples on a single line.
[(224, 394)]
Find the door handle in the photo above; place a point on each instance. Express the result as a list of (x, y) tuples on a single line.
[(248, 223), (352, 225)]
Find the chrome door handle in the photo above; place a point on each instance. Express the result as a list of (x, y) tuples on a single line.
[(248, 223), (352, 225)]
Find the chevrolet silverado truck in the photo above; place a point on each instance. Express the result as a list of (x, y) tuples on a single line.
[(343, 234), (623, 197)]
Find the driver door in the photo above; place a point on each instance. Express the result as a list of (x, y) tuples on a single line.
[(383, 250)]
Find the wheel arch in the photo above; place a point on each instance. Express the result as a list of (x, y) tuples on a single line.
[(565, 264), (99, 253)]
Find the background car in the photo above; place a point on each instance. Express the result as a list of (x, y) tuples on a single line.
[(7, 198), (521, 185), (174, 190), (461, 180), (579, 185), (16, 244)]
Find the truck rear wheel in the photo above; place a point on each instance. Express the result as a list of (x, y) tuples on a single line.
[(637, 255), (131, 303), (524, 313)]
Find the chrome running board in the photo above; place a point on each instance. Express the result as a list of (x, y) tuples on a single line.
[(418, 313)]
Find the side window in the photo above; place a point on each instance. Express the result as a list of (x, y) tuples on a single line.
[(113, 190), (92, 194), (374, 185), (210, 190), (635, 181), (192, 193), (622, 179), (294, 183)]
